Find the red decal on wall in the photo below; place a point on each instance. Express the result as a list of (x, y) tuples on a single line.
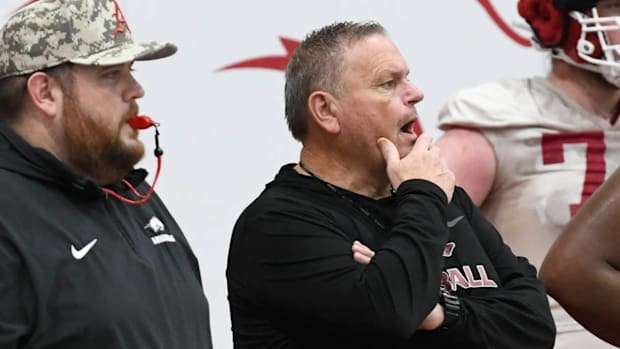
[(268, 62), (280, 62), (502, 24)]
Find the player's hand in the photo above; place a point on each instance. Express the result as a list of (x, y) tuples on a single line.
[(423, 162), (434, 319), (361, 253)]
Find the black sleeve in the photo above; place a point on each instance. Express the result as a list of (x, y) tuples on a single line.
[(16, 297), (303, 274), (516, 314)]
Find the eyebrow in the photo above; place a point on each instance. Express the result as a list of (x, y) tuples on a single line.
[(392, 73)]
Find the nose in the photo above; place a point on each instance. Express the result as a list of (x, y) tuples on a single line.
[(134, 91), (413, 94)]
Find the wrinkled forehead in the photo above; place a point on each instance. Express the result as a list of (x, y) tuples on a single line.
[(372, 51)]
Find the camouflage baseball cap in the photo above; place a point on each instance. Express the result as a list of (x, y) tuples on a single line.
[(89, 32)]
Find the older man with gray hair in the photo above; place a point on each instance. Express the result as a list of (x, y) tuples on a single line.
[(365, 242)]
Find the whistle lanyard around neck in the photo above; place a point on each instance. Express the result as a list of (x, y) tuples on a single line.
[(345, 198)]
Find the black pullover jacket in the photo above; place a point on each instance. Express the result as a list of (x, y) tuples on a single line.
[(80, 269), (293, 282)]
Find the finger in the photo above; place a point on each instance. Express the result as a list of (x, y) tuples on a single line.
[(444, 165), (361, 258), (367, 251), (356, 245), (359, 247), (364, 251), (423, 142), (434, 151), (388, 150)]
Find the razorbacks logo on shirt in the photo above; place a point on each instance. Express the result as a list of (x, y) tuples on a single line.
[(156, 226)]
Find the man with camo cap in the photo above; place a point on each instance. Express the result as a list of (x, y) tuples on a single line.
[(89, 258)]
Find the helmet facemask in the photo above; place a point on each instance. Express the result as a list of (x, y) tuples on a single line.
[(583, 33), (600, 32)]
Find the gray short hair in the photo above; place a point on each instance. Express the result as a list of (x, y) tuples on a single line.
[(317, 65)]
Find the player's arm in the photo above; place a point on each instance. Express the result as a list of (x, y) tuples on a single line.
[(582, 269), (472, 159)]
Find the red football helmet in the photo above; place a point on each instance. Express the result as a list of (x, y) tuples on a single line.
[(585, 33)]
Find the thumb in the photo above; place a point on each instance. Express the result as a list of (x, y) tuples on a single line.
[(389, 151)]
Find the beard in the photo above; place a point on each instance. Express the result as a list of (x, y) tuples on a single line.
[(94, 147)]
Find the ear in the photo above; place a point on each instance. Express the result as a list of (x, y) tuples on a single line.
[(324, 111), (45, 93)]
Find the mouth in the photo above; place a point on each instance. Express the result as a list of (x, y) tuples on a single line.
[(408, 127)]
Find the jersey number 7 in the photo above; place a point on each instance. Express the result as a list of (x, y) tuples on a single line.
[(553, 153)]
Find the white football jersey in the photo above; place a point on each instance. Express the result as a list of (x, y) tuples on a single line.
[(551, 156)]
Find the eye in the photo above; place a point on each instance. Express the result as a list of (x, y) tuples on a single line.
[(111, 74), (388, 84)]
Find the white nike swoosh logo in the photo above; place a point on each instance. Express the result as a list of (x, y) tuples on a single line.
[(79, 254), (451, 223)]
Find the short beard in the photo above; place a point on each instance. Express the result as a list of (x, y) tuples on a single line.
[(93, 148)]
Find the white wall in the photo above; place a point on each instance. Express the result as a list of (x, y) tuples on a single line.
[(224, 133)]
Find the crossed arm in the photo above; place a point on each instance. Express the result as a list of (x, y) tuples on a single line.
[(515, 315), (363, 255)]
